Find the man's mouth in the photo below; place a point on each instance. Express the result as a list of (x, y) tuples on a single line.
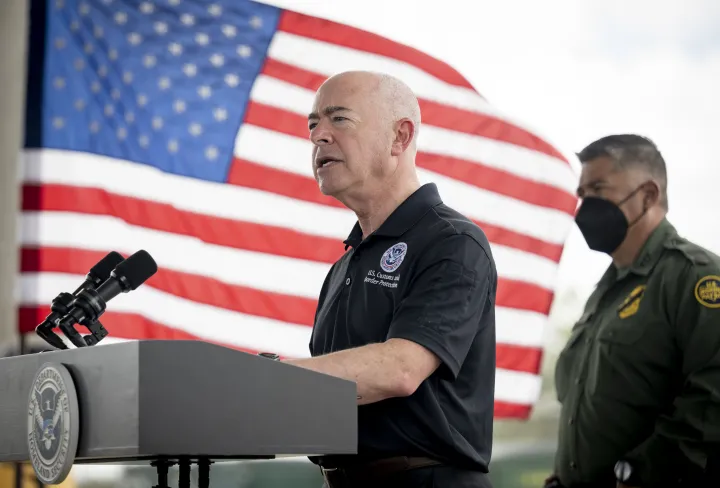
[(327, 161)]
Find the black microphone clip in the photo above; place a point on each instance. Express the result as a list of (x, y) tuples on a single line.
[(58, 308), (85, 309), (62, 304)]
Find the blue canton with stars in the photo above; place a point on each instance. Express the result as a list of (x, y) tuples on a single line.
[(158, 82)]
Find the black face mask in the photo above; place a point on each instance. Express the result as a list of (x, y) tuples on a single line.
[(603, 224)]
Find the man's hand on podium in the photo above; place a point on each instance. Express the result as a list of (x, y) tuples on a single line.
[(394, 368)]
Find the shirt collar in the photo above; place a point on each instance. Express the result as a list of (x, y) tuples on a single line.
[(404, 217), (651, 251)]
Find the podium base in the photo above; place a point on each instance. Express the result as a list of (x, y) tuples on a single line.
[(162, 467)]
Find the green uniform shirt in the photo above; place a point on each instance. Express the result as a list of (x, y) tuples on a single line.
[(639, 378)]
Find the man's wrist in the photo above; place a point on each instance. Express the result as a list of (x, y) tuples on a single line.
[(270, 355)]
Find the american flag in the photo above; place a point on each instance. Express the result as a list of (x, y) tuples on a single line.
[(180, 127)]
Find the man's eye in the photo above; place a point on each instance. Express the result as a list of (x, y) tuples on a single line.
[(312, 126), (338, 118)]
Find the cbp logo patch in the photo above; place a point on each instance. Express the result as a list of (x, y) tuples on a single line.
[(393, 257), (707, 291), (631, 304)]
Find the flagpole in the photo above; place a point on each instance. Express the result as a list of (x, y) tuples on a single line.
[(13, 46)]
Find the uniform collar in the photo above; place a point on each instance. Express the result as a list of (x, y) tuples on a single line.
[(651, 251), (404, 217)]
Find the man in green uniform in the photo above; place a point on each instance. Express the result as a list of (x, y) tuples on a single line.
[(639, 379)]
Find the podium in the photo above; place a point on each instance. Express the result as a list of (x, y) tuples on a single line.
[(168, 402)]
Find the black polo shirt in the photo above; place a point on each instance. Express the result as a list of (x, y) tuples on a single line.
[(426, 275)]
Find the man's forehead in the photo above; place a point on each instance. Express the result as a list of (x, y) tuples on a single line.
[(340, 97), (599, 169), (607, 173)]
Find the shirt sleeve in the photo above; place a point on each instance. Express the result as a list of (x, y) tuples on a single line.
[(686, 434), (451, 297)]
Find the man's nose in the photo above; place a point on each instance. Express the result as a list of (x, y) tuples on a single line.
[(320, 135)]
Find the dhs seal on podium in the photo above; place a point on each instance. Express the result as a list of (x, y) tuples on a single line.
[(53, 423)]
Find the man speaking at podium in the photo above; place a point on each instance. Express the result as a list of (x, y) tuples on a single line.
[(408, 311)]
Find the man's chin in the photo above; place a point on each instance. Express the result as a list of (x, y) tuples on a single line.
[(329, 189), (325, 189)]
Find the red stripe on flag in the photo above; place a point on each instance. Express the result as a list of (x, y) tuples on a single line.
[(518, 358), (433, 113), (167, 218), (351, 37), (523, 296), (505, 410), (278, 120), (498, 181), (505, 237), (459, 120), (293, 74), (260, 177), (475, 174), (209, 291)]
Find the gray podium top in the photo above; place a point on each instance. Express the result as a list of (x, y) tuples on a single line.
[(145, 399)]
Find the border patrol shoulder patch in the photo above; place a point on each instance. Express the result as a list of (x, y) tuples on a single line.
[(707, 291)]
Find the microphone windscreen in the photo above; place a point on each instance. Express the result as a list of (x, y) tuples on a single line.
[(136, 269), (104, 267)]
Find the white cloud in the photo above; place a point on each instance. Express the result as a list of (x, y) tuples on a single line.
[(647, 25)]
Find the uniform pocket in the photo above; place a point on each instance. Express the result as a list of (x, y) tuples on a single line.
[(622, 332), (616, 363), (567, 360)]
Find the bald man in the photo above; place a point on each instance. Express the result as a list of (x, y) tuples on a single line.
[(408, 311)]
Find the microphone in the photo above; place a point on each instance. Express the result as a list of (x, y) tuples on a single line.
[(90, 303), (101, 271), (60, 305)]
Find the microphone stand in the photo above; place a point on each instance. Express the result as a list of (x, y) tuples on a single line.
[(97, 333), (162, 467)]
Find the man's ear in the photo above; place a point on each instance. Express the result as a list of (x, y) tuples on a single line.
[(404, 134), (652, 194)]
